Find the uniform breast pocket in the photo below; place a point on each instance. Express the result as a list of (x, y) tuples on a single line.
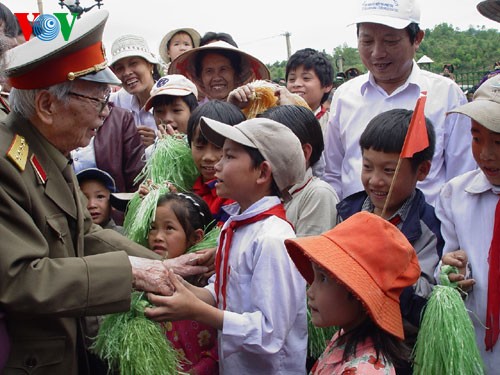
[(239, 290), (59, 236)]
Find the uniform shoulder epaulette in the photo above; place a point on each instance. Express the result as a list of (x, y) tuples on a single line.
[(18, 152)]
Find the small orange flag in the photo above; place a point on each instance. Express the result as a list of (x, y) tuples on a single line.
[(416, 138)]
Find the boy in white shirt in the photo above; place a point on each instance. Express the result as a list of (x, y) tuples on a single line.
[(256, 299), (469, 210)]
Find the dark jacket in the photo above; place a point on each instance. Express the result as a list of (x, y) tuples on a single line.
[(119, 149)]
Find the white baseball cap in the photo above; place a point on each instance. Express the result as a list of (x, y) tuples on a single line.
[(174, 85), (393, 13)]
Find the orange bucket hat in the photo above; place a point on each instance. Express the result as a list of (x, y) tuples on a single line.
[(370, 256)]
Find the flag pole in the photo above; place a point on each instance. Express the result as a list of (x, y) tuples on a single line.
[(389, 194)]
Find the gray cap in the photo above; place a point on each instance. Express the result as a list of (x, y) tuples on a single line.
[(276, 142)]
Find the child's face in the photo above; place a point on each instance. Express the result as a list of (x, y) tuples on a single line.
[(98, 201), (307, 84), (486, 151), (175, 114), (205, 156), (167, 237), (377, 174), (236, 175), (180, 42), (331, 303)]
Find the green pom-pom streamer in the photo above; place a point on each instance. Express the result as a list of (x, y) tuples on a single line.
[(141, 213), (446, 343), (171, 161), (209, 240), (318, 337), (132, 344)]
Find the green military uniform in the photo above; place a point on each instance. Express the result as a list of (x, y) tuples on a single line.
[(52, 256)]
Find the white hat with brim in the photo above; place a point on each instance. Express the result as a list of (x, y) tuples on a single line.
[(129, 46), (485, 105), (395, 14), (490, 9), (39, 63), (195, 37), (251, 69), (276, 142)]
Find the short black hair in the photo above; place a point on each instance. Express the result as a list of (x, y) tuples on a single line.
[(211, 36), (412, 30), (257, 159), (218, 110), (304, 125), (386, 132), (190, 100), (315, 60)]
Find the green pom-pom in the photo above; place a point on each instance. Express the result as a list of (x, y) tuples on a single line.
[(141, 213), (318, 337), (446, 342), (132, 344), (171, 161), (209, 240)]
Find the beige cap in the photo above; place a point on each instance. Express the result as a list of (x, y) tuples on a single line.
[(276, 142), (485, 105), (174, 85)]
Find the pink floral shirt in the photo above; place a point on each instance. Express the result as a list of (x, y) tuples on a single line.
[(365, 362), (196, 344)]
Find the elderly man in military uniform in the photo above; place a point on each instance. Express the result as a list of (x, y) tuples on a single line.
[(56, 266)]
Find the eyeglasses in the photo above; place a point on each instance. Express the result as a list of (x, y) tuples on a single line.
[(100, 102)]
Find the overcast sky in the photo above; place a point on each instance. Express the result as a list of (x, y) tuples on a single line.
[(257, 25)]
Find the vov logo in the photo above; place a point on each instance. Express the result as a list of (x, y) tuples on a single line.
[(46, 26)]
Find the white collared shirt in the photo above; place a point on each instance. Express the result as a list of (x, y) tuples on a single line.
[(265, 324), (357, 101), (123, 99), (466, 208)]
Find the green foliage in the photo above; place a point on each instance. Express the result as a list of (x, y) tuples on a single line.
[(472, 50)]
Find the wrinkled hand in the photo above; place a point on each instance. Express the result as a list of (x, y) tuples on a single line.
[(147, 134), (458, 259), (150, 276), (241, 96), (180, 305), (187, 264)]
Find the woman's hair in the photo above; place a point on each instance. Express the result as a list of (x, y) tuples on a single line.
[(191, 210), (386, 345), (217, 110), (211, 36), (233, 56), (304, 125), (190, 100)]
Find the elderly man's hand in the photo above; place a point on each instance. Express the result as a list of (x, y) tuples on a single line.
[(188, 264), (150, 275)]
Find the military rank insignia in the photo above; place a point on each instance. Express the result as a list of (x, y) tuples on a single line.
[(18, 152), (37, 167)]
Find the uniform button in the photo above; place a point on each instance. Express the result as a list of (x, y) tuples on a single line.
[(30, 362)]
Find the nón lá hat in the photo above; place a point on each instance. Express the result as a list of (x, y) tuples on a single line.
[(41, 63), (490, 9)]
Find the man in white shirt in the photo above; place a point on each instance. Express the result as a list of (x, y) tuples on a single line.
[(388, 38)]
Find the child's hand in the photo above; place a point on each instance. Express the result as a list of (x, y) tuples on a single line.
[(458, 259), (144, 189), (148, 135), (240, 96), (180, 306)]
